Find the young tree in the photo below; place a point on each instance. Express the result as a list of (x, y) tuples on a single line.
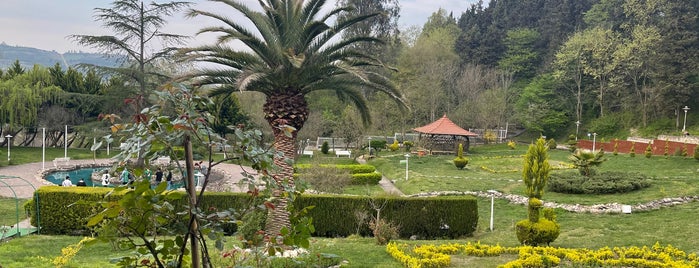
[(293, 49), (136, 40)]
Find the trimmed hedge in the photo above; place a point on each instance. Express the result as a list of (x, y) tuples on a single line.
[(353, 169), (333, 216), (366, 178), (602, 183)]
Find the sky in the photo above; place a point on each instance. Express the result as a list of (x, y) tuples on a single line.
[(46, 24)]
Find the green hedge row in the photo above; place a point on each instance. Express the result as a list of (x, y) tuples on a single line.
[(433, 217), (353, 169), (366, 178), (64, 210)]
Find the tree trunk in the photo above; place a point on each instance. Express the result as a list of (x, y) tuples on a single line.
[(287, 108), (192, 194), (278, 217)]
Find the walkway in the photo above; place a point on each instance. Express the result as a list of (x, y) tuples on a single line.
[(32, 173)]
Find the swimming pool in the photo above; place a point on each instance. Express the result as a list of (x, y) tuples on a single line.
[(57, 177)]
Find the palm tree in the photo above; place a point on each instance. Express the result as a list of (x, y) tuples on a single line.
[(291, 50), (584, 160)]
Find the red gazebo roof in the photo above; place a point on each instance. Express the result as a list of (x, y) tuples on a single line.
[(444, 126)]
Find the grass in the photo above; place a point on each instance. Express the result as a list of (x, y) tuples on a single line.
[(9, 210), (499, 168)]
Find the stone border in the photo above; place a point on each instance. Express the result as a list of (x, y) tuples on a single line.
[(609, 208)]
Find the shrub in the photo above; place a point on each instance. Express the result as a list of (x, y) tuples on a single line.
[(378, 145), (616, 148), (678, 152), (253, 222), (552, 144), (325, 148), (649, 151), (489, 136), (383, 231), (536, 168), (543, 231), (572, 143), (511, 144), (696, 152), (460, 161), (394, 146), (585, 160), (632, 152), (603, 183), (408, 145), (666, 151), (684, 150), (366, 178)]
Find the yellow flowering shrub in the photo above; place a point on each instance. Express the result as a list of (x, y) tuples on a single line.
[(436, 256)]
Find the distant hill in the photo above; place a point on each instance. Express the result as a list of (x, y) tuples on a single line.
[(29, 56)]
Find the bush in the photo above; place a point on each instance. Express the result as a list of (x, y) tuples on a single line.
[(544, 231), (696, 152), (572, 143), (353, 168), (394, 146), (512, 145), (334, 216), (366, 178), (251, 223), (384, 231), (325, 148), (407, 145), (552, 144), (460, 161), (616, 148), (378, 145), (649, 151), (632, 152), (603, 183)]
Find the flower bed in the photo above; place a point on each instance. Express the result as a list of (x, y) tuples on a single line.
[(439, 256)]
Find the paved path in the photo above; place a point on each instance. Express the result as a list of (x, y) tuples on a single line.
[(385, 183), (32, 173)]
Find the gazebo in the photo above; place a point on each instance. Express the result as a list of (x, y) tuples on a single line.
[(443, 136)]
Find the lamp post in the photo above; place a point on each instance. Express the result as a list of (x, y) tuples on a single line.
[(406, 165), (492, 207), (594, 138), (577, 127), (9, 142), (684, 126)]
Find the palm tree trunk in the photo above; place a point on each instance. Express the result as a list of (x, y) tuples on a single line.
[(278, 217)]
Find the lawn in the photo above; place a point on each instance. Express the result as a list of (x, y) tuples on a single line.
[(672, 177), (499, 168)]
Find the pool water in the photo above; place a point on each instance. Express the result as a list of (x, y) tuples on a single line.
[(75, 175), (57, 177)]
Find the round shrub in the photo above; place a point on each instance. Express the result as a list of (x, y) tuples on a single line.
[(325, 148), (460, 161), (543, 231), (602, 183), (552, 144)]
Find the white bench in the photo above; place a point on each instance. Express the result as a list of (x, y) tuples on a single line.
[(339, 153), (61, 161), (309, 153), (163, 160)]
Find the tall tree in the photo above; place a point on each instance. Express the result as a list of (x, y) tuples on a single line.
[(293, 49), (521, 57), (137, 39)]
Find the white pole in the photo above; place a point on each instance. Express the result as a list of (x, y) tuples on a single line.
[(594, 140), (406, 166), (492, 209), (43, 148), (107, 147), (65, 144)]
